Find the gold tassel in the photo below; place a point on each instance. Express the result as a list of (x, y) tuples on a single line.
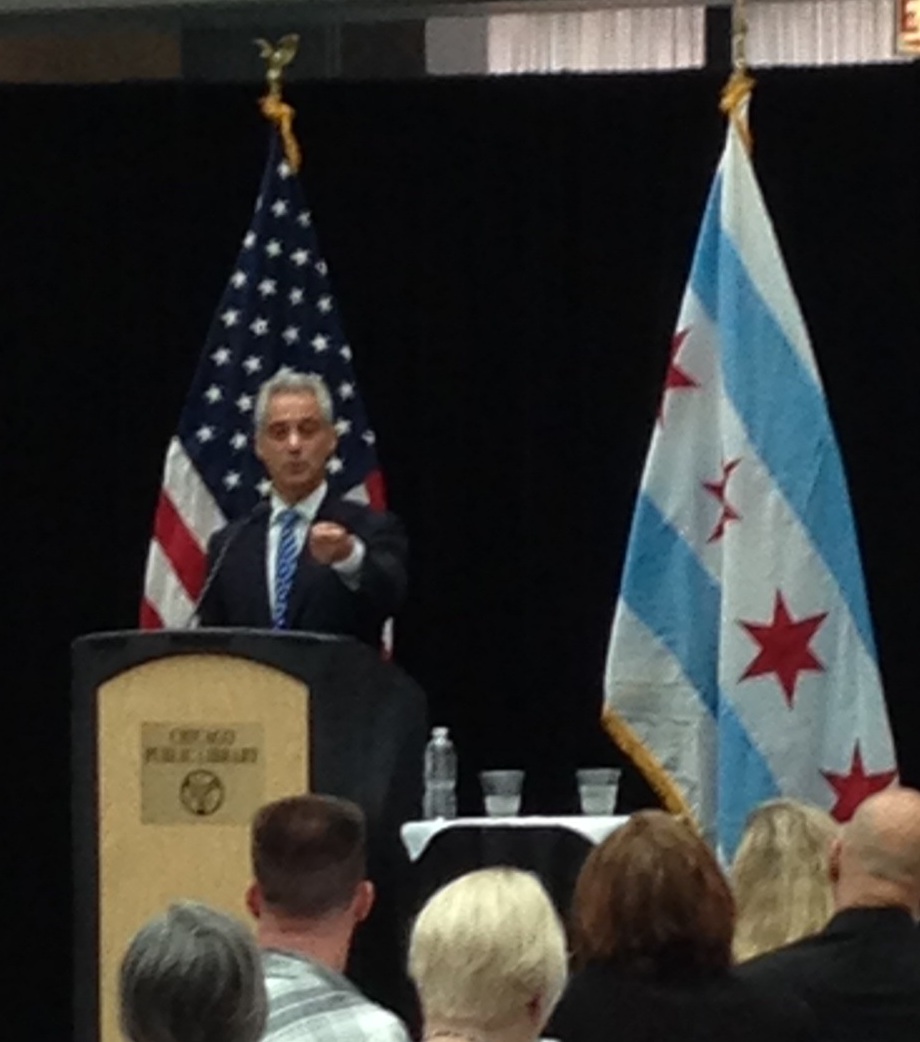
[(282, 115), (657, 777), (736, 95)]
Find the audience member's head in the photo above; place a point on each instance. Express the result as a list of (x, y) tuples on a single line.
[(309, 866), (876, 860), (192, 975), (488, 957), (652, 900), (781, 876)]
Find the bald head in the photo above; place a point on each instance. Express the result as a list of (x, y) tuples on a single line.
[(878, 860)]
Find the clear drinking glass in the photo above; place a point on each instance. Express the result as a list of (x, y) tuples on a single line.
[(597, 790), (502, 792)]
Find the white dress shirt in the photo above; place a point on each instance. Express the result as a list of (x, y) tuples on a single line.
[(348, 569)]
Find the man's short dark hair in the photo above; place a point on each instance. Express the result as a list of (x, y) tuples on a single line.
[(308, 854)]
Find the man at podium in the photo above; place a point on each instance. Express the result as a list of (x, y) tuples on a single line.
[(305, 560)]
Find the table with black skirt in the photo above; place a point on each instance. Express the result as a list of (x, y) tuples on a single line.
[(553, 848)]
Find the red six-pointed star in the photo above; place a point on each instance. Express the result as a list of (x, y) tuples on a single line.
[(676, 378), (784, 647), (853, 788), (718, 489)]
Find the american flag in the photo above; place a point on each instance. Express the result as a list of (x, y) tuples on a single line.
[(277, 311)]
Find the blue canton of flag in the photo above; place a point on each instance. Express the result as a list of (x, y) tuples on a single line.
[(742, 664), (277, 311)]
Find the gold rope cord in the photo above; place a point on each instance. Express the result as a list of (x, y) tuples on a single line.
[(282, 115), (657, 777), (736, 95)]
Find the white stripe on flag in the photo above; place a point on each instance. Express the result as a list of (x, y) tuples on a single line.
[(694, 455), (190, 495), (665, 712), (747, 223), (164, 590), (358, 494)]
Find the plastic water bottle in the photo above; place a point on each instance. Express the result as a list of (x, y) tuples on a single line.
[(440, 776)]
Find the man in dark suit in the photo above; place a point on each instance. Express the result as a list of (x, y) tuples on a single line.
[(861, 974), (306, 560)]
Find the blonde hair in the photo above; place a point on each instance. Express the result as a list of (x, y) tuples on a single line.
[(484, 948), (781, 876)]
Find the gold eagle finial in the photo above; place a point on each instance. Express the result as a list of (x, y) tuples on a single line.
[(277, 57)]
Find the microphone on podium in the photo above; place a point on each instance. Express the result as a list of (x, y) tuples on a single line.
[(258, 512)]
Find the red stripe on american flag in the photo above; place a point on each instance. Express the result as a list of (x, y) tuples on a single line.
[(376, 493), (179, 545), (377, 497), (150, 617)]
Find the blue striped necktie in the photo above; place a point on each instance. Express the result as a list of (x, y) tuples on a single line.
[(285, 566)]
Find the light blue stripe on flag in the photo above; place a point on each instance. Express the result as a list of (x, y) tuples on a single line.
[(676, 599), (745, 779), (769, 387), (666, 587)]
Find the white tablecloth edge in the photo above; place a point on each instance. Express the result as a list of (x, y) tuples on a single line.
[(416, 835)]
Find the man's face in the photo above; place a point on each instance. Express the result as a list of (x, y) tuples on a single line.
[(294, 443)]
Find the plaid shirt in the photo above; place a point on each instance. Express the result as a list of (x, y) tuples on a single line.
[(308, 1002)]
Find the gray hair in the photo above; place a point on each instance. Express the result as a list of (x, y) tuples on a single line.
[(192, 975), (288, 381)]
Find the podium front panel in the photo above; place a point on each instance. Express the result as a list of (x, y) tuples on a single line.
[(187, 748)]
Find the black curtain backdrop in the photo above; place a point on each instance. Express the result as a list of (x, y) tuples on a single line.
[(509, 255)]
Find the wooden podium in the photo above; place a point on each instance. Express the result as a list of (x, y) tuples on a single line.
[(179, 737)]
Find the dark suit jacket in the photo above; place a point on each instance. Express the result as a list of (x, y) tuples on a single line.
[(320, 602), (860, 975), (604, 1004)]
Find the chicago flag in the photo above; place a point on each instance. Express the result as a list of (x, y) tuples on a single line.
[(742, 664)]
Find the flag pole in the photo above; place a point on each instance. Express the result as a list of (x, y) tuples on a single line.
[(739, 35), (737, 91), (276, 58)]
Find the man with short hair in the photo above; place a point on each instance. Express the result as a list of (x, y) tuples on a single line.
[(861, 974), (306, 560), (309, 894)]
